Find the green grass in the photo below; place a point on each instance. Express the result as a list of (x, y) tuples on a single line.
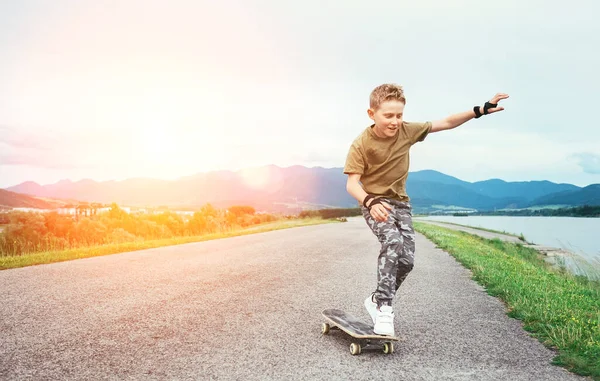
[(520, 236), (559, 309), (9, 262)]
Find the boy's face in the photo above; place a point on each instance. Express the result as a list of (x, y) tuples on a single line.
[(387, 118)]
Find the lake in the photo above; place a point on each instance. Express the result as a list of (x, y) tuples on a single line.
[(577, 235)]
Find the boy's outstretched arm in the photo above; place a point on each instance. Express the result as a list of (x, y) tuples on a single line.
[(456, 120)]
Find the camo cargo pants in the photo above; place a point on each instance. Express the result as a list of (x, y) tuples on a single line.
[(396, 258)]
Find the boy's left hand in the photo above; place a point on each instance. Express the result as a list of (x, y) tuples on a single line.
[(497, 98)]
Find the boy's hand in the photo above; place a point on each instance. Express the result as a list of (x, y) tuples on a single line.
[(380, 211), (497, 98)]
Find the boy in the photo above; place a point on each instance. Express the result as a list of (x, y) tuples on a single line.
[(379, 159)]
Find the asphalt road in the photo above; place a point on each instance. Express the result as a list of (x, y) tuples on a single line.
[(250, 308)]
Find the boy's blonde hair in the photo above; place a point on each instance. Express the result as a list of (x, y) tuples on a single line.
[(386, 92)]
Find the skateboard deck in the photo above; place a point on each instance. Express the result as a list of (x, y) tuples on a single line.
[(338, 319)]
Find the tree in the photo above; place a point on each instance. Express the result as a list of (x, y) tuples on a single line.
[(171, 220), (59, 225), (117, 213), (25, 232), (207, 220), (240, 210), (90, 232)]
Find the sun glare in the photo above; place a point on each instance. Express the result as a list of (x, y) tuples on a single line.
[(263, 178), (157, 142)]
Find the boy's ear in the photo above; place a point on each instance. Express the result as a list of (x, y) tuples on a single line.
[(371, 113)]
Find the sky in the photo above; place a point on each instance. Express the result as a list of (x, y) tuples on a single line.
[(110, 90)]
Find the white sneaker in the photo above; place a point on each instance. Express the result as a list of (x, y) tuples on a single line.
[(384, 321), (371, 307)]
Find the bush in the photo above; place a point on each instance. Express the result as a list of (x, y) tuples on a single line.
[(241, 210), (330, 213), (28, 232), (120, 235)]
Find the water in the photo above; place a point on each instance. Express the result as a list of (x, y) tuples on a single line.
[(579, 236)]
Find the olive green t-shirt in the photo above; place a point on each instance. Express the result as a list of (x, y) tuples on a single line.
[(383, 162)]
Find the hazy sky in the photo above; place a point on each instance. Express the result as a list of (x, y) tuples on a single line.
[(116, 89)]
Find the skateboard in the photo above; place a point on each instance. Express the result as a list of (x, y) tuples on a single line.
[(338, 319)]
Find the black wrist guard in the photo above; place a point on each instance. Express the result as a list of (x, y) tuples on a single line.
[(488, 106), (369, 196), (477, 111), (373, 203)]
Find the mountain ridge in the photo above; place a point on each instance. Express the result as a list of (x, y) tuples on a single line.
[(317, 186)]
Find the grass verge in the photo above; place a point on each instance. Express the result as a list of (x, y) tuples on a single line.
[(10, 262), (559, 309), (519, 236)]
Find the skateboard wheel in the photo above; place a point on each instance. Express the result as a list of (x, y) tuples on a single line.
[(355, 349), (325, 328), (388, 348)]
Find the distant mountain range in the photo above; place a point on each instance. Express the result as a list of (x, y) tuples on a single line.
[(275, 189), (16, 200)]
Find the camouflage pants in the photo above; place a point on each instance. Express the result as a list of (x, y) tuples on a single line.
[(396, 258)]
